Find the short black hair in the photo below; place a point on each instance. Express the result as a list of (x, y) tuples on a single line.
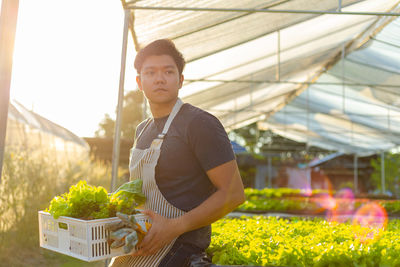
[(157, 48)]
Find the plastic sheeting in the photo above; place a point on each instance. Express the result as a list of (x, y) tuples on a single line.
[(362, 115), (29, 131), (284, 70)]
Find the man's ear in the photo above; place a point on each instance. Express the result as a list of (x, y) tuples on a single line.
[(139, 82), (181, 78)]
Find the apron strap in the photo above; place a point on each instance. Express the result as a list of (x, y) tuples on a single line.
[(171, 116)]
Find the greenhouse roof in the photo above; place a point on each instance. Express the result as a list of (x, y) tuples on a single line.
[(323, 72), (19, 113)]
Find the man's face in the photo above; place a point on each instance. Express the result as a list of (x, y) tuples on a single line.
[(159, 79)]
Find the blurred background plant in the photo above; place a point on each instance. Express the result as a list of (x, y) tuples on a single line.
[(392, 174), (31, 178)]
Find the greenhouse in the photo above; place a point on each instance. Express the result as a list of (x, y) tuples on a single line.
[(318, 77), (324, 74), (29, 131)]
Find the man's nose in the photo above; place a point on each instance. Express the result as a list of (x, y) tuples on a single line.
[(159, 77)]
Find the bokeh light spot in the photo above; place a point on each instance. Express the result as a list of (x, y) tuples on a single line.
[(369, 222)]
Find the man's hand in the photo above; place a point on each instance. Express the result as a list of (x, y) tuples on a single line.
[(161, 233)]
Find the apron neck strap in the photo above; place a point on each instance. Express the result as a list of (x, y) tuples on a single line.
[(171, 116)]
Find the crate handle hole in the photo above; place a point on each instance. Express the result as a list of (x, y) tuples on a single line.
[(62, 225)]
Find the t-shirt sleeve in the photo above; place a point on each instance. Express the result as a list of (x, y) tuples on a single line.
[(209, 141)]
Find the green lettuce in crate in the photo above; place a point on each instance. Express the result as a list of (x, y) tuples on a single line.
[(127, 197), (89, 202)]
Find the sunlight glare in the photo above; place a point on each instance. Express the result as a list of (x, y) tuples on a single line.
[(67, 61)]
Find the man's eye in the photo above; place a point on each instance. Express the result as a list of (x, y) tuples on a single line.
[(169, 72), (149, 73)]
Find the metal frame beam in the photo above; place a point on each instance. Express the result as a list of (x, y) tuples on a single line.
[(8, 25), (260, 10), (293, 82), (117, 133), (355, 182)]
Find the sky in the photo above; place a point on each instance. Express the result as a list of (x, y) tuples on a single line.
[(67, 61)]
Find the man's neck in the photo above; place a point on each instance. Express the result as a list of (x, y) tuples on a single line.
[(161, 110)]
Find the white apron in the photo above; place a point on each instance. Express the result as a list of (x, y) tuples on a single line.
[(142, 166)]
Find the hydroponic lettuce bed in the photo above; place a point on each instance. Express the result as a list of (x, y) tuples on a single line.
[(270, 241), (315, 202)]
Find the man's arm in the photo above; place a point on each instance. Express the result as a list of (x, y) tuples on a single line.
[(230, 194)]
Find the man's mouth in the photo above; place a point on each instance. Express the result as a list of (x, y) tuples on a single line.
[(160, 90)]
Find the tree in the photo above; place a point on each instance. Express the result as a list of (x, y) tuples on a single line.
[(392, 173), (132, 115)]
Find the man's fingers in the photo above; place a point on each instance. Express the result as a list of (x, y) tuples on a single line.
[(145, 251), (147, 238), (148, 246), (150, 213), (145, 245)]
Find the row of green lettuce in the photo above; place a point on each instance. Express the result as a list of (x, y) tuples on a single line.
[(294, 200), (281, 192), (270, 241), (296, 192)]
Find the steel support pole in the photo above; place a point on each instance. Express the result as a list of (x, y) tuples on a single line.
[(355, 174), (269, 171), (8, 26), (130, 5), (117, 133), (383, 185), (343, 86), (309, 181), (278, 53)]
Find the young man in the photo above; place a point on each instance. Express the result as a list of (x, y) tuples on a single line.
[(185, 159)]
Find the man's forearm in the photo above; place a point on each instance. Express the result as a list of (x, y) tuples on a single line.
[(214, 208)]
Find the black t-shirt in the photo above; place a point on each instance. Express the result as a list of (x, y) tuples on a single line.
[(195, 143)]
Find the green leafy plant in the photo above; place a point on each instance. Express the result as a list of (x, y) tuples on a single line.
[(294, 200), (271, 241), (93, 202), (31, 178), (392, 173)]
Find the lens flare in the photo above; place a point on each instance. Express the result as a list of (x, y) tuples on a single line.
[(307, 192), (322, 197), (369, 222), (345, 193), (344, 208), (326, 201)]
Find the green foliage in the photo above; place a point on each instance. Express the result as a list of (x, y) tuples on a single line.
[(270, 241), (278, 199), (26, 183), (132, 115), (248, 174), (127, 197), (88, 202), (30, 179), (391, 206), (82, 201), (392, 173), (279, 192), (294, 200), (299, 205)]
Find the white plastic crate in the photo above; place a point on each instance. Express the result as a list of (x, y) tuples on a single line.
[(82, 239)]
